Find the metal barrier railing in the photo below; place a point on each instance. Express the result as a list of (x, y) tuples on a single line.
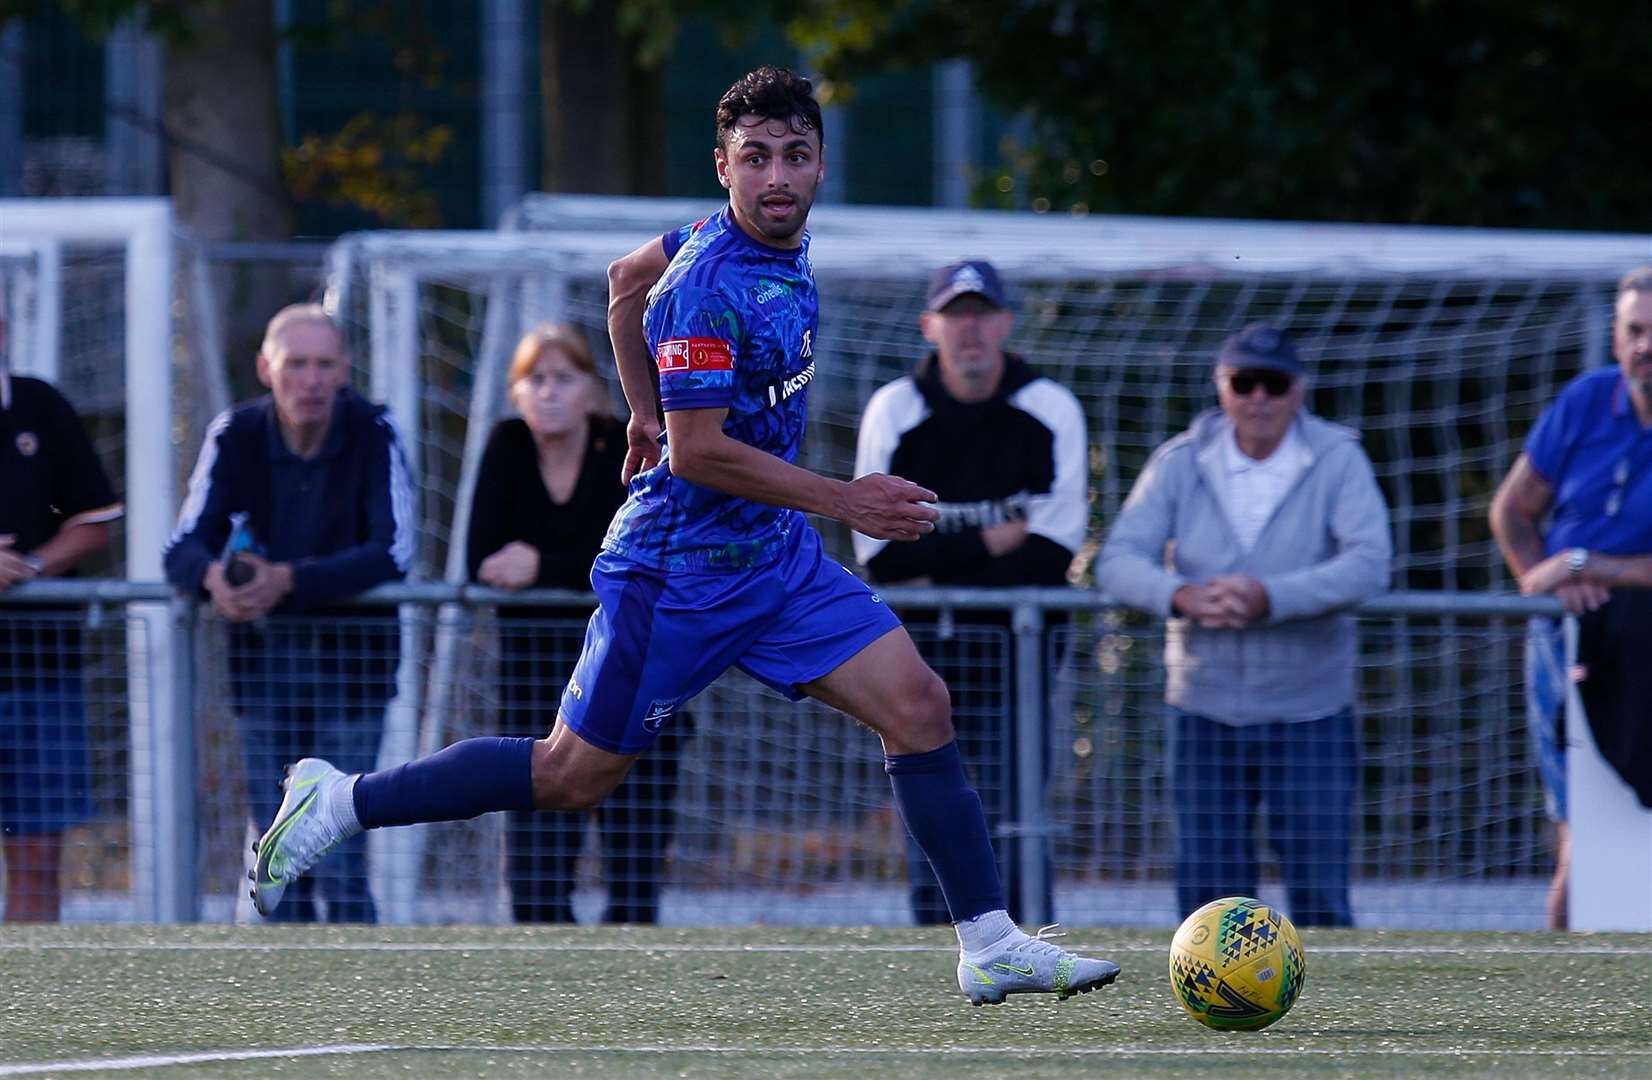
[(164, 695)]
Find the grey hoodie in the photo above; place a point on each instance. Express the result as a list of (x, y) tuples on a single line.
[(1325, 549)]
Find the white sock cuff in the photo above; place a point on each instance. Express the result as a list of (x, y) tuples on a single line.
[(342, 800), (985, 930)]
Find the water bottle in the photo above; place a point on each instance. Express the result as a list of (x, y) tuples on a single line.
[(238, 571)]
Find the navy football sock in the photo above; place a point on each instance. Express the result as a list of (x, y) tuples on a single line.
[(943, 814), (462, 781)]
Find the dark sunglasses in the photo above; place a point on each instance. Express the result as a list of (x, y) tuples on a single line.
[(1276, 383)]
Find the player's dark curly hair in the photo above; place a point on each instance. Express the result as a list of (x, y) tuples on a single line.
[(775, 94)]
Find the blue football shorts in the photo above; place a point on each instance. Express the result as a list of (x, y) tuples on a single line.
[(45, 777), (660, 637)]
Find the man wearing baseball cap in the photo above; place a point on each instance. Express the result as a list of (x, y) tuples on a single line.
[(1275, 529), (1005, 449)]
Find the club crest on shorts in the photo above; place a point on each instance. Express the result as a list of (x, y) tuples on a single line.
[(659, 712), (28, 443)]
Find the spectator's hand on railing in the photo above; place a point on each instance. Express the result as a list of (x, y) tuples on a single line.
[(514, 566), (14, 568), (1206, 605), (1554, 575), (1244, 598), (269, 585)]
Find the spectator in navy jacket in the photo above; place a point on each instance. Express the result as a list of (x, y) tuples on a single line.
[(301, 498)]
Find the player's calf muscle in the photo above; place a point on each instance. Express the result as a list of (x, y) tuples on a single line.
[(570, 774)]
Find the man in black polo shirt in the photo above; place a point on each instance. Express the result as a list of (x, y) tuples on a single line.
[(1005, 449), (315, 479), (55, 508)]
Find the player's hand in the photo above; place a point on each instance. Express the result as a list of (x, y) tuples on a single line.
[(887, 507), (1004, 537), (514, 566), (642, 446), (1244, 597), (13, 570), (1207, 606)]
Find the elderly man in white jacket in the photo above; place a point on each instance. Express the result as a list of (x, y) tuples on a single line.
[(1256, 531)]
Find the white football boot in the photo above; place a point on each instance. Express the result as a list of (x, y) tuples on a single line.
[(1020, 963), (305, 828)]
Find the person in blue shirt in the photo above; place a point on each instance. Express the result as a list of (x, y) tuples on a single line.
[(1587, 468), (710, 564), (298, 499)]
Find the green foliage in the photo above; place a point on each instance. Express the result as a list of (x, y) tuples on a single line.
[(1519, 113), (372, 163)]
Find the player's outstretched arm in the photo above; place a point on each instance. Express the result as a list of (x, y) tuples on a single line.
[(883, 507), (629, 279)]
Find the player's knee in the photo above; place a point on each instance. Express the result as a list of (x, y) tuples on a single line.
[(923, 711)]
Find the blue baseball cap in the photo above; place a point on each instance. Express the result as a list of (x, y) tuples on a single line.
[(1261, 345), (963, 278)]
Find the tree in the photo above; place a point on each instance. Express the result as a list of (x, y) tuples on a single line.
[(1515, 113)]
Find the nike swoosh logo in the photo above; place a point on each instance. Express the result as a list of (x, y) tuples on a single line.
[(275, 870), (1028, 970)]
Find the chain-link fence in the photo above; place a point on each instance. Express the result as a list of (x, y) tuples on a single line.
[(751, 809)]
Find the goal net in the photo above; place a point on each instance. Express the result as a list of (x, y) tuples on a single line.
[(1441, 346)]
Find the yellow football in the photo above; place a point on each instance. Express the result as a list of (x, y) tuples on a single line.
[(1237, 964)]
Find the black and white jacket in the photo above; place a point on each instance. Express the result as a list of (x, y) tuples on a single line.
[(1021, 454)]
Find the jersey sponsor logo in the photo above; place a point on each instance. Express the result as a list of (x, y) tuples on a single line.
[(574, 689), (694, 354), (770, 290), (28, 443), (776, 392)]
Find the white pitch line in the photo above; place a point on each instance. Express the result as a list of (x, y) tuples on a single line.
[(157, 1061), (1043, 1051), (154, 1061), (701, 947)]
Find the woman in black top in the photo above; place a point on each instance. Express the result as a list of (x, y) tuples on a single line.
[(548, 486)]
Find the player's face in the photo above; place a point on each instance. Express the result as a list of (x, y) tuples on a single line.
[(304, 367), (555, 396), (771, 173), (1632, 339), (969, 335), (1260, 417)]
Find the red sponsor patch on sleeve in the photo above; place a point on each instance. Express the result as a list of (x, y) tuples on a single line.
[(694, 354)]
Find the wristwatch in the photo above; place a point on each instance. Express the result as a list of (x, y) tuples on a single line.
[(1576, 559), (33, 563)]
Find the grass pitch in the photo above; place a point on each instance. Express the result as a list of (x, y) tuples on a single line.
[(195, 1002)]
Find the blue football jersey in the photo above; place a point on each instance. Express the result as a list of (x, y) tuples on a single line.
[(731, 325)]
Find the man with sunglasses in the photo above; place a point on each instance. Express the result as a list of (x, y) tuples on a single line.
[(1276, 529), (1587, 469)]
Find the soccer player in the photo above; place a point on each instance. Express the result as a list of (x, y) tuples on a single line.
[(711, 564)]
